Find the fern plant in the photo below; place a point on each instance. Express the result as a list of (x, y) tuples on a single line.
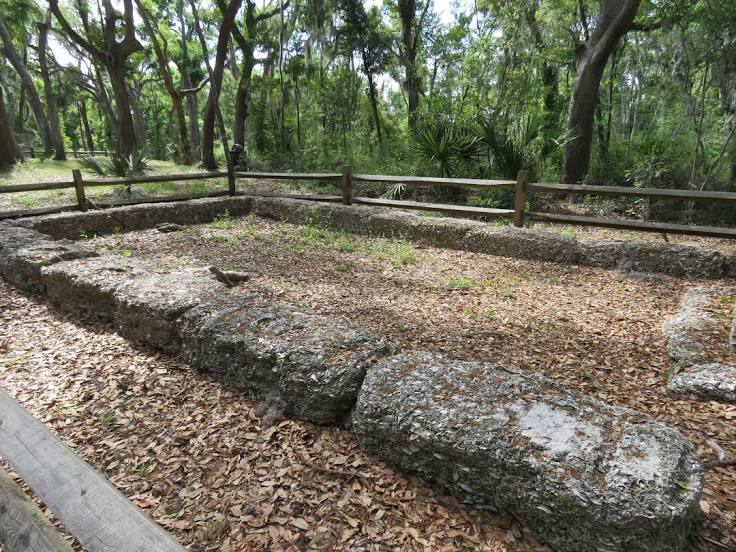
[(118, 165), (510, 146)]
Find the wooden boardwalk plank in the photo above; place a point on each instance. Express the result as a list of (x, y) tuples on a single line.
[(23, 527), (98, 515)]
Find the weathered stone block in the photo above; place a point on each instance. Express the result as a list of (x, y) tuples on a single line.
[(137, 217), (583, 475), (315, 363), (24, 252), (89, 286), (683, 331), (522, 243), (148, 307), (716, 382), (689, 261)]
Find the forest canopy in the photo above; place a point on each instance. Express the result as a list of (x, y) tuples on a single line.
[(625, 92)]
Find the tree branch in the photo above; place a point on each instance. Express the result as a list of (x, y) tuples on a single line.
[(270, 14), (74, 35)]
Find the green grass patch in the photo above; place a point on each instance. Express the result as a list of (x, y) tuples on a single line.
[(223, 221), (399, 251)]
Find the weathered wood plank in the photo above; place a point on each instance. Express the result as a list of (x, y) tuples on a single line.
[(308, 197), (35, 187), (425, 180), (90, 508), (437, 207), (657, 193), (23, 527), (289, 176), (520, 198), (35, 212), (659, 227), (162, 199), (153, 178)]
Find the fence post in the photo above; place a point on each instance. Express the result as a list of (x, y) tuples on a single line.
[(79, 188), (520, 198), (231, 180), (347, 184)]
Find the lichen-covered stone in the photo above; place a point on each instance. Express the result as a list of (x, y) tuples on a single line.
[(716, 382), (23, 252), (89, 286), (523, 243), (689, 261), (582, 474), (145, 302), (74, 224), (149, 306), (315, 363), (684, 330)]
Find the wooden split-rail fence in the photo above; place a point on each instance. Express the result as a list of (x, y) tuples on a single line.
[(347, 180)]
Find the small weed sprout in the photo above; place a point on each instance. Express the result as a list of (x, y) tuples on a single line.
[(142, 470), (508, 292), (126, 253), (399, 251), (459, 283), (569, 232), (489, 313), (108, 417), (344, 244), (471, 314), (223, 221)]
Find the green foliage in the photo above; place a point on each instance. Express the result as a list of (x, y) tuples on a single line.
[(117, 165), (399, 251), (223, 221)]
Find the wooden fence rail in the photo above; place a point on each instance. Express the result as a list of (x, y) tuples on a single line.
[(347, 178)]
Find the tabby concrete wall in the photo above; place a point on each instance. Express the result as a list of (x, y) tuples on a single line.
[(677, 260), (580, 474)]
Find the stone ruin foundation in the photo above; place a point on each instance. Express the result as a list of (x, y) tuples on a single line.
[(580, 474)]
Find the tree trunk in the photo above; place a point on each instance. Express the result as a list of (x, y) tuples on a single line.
[(127, 141), (372, 96), (20, 118), (85, 124), (208, 128), (583, 102), (177, 107), (410, 40), (113, 53), (7, 142), (614, 20), (186, 81), (57, 140), (34, 101), (138, 121)]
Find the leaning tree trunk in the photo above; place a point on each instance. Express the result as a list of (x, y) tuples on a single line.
[(7, 142), (32, 97), (583, 102), (210, 113), (614, 20), (57, 140)]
